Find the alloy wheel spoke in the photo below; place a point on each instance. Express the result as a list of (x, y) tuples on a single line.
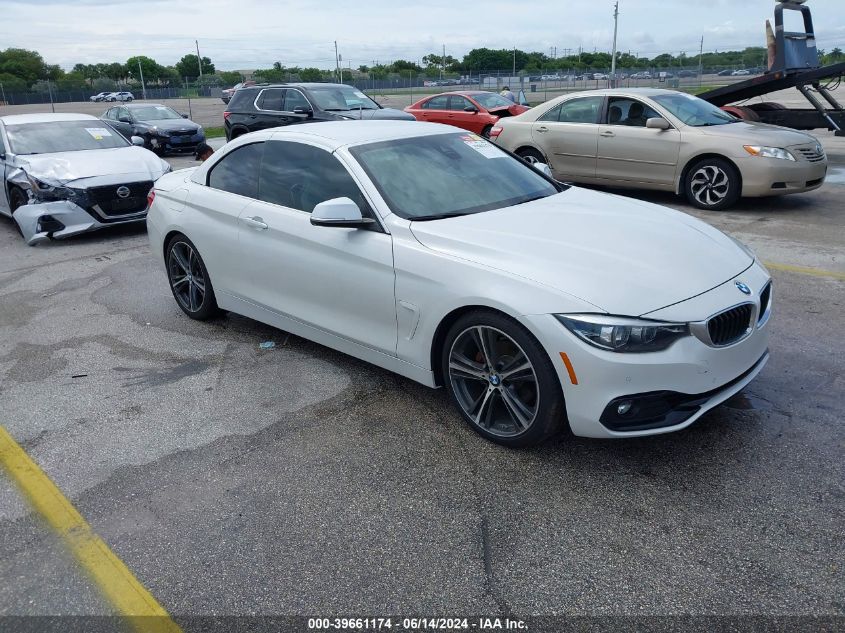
[(480, 335), (179, 258), (484, 408), (520, 414), (463, 367), (179, 281)]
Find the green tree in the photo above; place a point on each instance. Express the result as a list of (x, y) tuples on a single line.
[(151, 69), (311, 74), (26, 65), (230, 78), (188, 67)]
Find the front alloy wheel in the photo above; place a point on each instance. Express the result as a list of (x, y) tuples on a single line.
[(502, 380), (189, 280), (712, 184)]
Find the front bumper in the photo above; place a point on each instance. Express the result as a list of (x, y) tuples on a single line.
[(177, 144), (41, 221), (776, 177), (680, 383)]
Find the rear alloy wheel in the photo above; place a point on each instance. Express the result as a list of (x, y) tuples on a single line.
[(189, 279), (530, 156), (502, 380), (712, 184)]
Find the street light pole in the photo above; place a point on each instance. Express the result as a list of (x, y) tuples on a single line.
[(143, 88), (613, 59)]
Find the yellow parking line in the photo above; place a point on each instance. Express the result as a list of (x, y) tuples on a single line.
[(114, 579), (805, 270)]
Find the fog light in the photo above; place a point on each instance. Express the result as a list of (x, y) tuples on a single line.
[(624, 407)]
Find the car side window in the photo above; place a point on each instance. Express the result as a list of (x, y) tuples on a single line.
[(630, 112), (237, 171), (457, 102), (295, 99), (581, 110), (551, 115), (440, 102), (110, 114), (301, 176), (272, 99)]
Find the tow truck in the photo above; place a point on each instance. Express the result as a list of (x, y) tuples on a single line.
[(794, 64)]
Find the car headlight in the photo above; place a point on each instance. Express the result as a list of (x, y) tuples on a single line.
[(45, 192), (769, 152), (623, 334)]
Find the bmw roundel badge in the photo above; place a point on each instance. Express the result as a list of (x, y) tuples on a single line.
[(743, 288)]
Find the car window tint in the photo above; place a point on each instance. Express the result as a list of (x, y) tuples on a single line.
[(237, 172), (295, 99), (623, 111), (583, 110), (272, 99), (551, 115), (301, 176), (458, 103), (440, 102)]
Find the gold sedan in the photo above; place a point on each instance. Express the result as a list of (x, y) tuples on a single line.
[(665, 140)]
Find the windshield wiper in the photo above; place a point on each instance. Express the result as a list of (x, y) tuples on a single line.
[(337, 109), (439, 216)]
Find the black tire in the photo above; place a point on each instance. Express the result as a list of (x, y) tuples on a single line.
[(767, 106), (129, 99), (189, 280), (486, 131), (508, 345), (530, 155), (712, 184)]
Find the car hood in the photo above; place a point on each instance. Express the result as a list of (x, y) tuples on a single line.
[(623, 256), (382, 114), (750, 132), (129, 163)]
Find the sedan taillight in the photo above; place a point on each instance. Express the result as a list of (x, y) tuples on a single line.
[(150, 197), (495, 131), (226, 115)]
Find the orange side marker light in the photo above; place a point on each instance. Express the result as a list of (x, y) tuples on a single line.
[(572, 377)]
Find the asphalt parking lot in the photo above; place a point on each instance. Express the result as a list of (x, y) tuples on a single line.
[(238, 480)]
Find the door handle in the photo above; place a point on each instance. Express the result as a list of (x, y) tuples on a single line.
[(607, 134), (542, 129), (256, 223)]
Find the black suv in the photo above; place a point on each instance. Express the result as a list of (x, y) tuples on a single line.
[(263, 106)]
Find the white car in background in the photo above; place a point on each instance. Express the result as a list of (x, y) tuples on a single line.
[(432, 253), (100, 96), (120, 96)]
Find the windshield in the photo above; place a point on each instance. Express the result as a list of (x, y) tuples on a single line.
[(491, 101), (339, 98), (62, 136), (694, 111), (430, 177), (155, 113)]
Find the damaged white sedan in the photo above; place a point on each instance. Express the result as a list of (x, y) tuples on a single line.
[(65, 174)]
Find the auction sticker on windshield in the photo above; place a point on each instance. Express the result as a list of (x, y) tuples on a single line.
[(483, 147), (98, 132)]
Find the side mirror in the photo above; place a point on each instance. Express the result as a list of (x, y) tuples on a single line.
[(657, 123), (472, 109), (339, 212), (543, 169), (303, 110), (137, 140), (124, 119), (184, 116)]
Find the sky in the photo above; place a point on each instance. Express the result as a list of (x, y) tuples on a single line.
[(249, 34)]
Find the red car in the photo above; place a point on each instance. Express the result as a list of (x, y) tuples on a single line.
[(476, 111)]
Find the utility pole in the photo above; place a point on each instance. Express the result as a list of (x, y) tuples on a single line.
[(700, 56), (514, 61), (613, 59), (336, 60), (443, 62), (143, 88), (199, 59)]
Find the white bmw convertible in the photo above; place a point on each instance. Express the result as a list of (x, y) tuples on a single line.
[(439, 256)]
